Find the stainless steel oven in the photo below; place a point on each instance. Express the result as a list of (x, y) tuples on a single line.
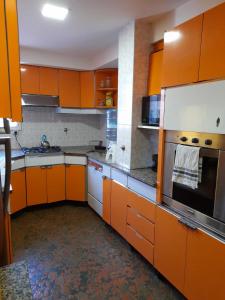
[(206, 204)]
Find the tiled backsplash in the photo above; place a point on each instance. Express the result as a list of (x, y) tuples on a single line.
[(44, 120)]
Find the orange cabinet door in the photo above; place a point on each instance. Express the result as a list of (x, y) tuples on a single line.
[(30, 79), (14, 58), (49, 81), (155, 73), (36, 181), (69, 88), (119, 196), (87, 89), (170, 247), (205, 272), (18, 197), (56, 183), (107, 200), (75, 183), (5, 105), (212, 62), (181, 56)]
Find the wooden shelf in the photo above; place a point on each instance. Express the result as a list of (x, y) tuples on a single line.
[(106, 107), (107, 89), (148, 127)]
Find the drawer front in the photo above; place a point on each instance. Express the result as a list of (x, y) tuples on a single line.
[(140, 244), (42, 160), (119, 176), (141, 224), (145, 207), (143, 189), (18, 164), (75, 160)]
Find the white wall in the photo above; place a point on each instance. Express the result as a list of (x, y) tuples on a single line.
[(45, 58), (107, 58), (183, 13)]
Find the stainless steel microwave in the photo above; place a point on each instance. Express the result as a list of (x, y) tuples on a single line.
[(151, 110)]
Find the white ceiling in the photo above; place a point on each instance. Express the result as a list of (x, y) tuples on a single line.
[(92, 25)]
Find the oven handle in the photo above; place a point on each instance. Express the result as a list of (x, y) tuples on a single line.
[(187, 223)]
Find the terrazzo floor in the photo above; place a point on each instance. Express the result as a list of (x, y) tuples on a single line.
[(72, 254)]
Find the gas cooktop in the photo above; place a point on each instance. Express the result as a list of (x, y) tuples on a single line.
[(41, 150)]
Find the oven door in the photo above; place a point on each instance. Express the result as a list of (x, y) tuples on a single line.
[(201, 199)]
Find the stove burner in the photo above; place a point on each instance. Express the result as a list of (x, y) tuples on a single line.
[(36, 150)]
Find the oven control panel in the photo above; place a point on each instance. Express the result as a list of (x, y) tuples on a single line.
[(206, 140)]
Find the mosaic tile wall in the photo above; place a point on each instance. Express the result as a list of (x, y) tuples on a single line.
[(44, 120)]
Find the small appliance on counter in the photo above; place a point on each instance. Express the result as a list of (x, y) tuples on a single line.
[(44, 142), (111, 152), (151, 110)]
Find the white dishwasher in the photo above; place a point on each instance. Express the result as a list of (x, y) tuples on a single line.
[(96, 172)]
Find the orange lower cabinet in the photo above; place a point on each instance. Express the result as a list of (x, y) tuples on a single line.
[(56, 183), (205, 267), (141, 224), (119, 207), (36, 182), (18, 197), (170, 247), (75, 182), (140, 243), (107, 200)]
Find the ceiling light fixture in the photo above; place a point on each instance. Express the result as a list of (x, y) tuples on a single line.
[(23, 69), (171, 36), (54, 12)]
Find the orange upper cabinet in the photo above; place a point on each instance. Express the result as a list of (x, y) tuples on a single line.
[(18, 196), (87, 86), (69, 88), (75, 183), (49, 81), (36, 180), (182, 53), (155, 73), (205, 267), (10, 98), (55, 183), (30, 79), (170, 247), (119, 196), (107, 200), (212, 62), (5, 105), (14, 58)]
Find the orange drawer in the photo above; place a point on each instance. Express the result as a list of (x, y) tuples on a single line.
[(144, 206), (141, 224), (140, 244)]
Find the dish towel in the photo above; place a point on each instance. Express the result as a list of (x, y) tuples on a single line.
[(188, 166)]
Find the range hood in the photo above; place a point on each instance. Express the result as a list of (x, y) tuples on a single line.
[(40, 100)]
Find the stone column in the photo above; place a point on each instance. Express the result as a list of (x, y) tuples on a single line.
[(134, 49)]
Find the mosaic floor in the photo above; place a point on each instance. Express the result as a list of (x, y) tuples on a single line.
[(72, 254)]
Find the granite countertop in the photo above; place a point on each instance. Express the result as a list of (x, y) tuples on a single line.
[(145, 175)]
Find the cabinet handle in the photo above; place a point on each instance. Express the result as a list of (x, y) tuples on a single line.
[(49, 167), (139, 236), (43, 167), (188, 224)]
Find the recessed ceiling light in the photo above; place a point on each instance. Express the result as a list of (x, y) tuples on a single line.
[(54, 12), (171, 36), (23, 69)]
